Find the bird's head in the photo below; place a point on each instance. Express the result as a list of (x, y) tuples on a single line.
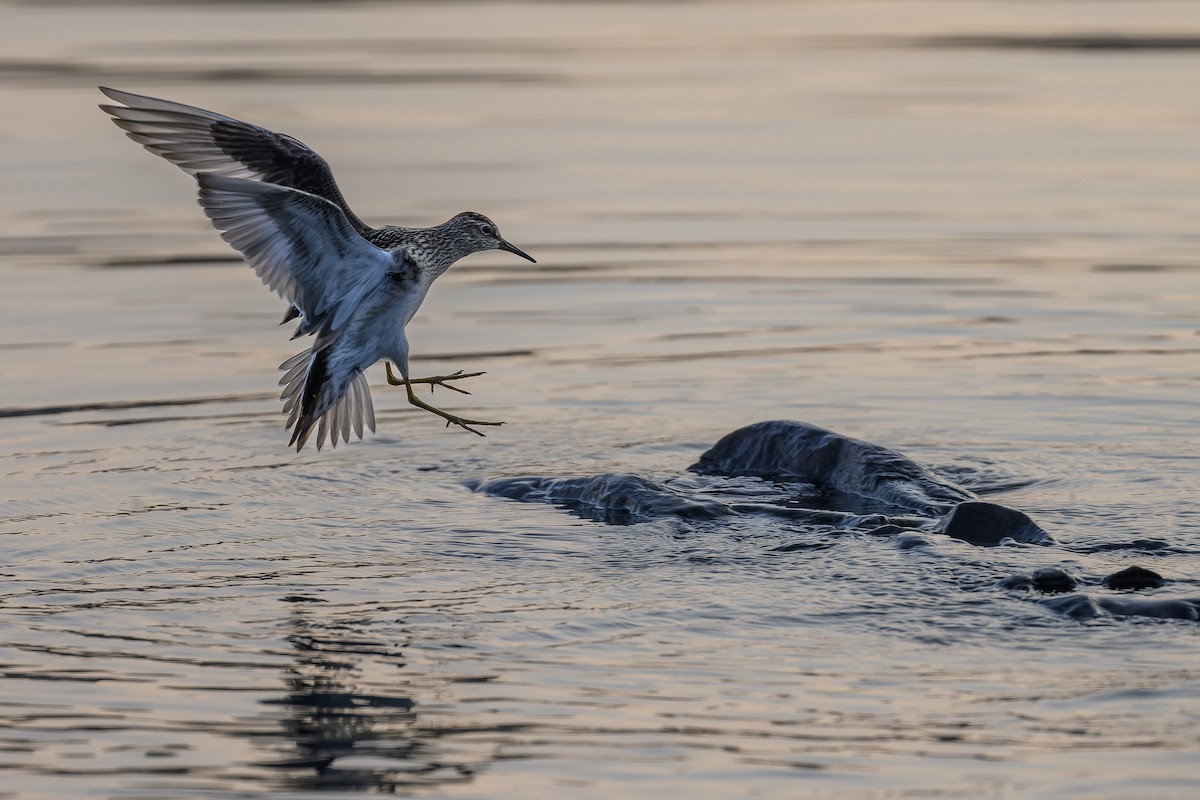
[(474, 233)]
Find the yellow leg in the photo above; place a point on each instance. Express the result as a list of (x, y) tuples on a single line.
[(439, 380)]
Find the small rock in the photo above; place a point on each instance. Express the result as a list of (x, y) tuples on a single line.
[(989, 524), (1134, 578), (1052, 580), (910, 541), (1022, 583)]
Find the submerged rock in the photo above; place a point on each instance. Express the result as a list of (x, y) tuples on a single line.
[(887, 530), (793, 547), (1048, 580), (1022, 583), (617, 498), (1075, 606), (823, 481), (1180, 608), (911, 541), (813, 476), (1081, 606), (1145, 545)]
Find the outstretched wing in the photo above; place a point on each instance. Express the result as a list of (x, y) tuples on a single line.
[(302, 246), (200, 141)]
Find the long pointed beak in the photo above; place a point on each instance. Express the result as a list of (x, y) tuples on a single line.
[(516, 251)]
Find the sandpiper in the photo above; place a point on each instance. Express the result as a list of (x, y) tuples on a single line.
[(355, 287)]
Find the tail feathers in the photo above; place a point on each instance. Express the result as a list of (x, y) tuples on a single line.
[(312, 397)]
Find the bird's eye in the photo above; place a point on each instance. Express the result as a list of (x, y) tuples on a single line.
[(487, 230)]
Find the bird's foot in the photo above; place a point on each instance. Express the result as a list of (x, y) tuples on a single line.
[(463, 423), (440, 380), (436, 380), (451, 419)]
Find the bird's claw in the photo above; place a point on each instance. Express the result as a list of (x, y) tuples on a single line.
[(466, 424), (436, 380), (439, 380)]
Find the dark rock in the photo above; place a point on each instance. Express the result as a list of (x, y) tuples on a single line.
[(788, 450), (989, 524), (1052, 580), (1048, 580), (1075, 606), (1134, 578), (847, 484), (1022, 583), (818, 478), (1080, 606), (619, 499), (1186, 609)]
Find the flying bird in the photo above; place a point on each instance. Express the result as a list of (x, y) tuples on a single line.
[(352, 286)]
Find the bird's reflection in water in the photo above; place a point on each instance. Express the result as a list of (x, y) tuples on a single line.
[(344, 734)]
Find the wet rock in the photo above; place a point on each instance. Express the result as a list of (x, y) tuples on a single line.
[(788, 450), (810, 516), (1052, 580), (818, 478), (1185, 609), (619, 499), (911, 541), (988, 525), (1020, 583), (822, 480), (1081, 606), (1134, 578), (1048, 580), (1075, 606)]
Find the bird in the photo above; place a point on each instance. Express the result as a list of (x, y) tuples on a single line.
[(353, 287)]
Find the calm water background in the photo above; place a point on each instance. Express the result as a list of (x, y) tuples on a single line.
[(966, 230)]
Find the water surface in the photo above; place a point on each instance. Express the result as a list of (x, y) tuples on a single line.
[(962, 230)]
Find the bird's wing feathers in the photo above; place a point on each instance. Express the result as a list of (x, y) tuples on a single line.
[(200, 141), (275, 201), (300, 245), (304, 248), (317, 393)]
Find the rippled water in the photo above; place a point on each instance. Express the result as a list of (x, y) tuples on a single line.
[(961, 230)]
